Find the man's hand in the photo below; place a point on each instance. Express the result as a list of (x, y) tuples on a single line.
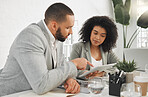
[(72, 86), (81, 63)]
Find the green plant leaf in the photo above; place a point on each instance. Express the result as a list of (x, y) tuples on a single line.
[(126, 66), (115, 2), (143, 20), (127, 5), (126, 16), (121, 14)]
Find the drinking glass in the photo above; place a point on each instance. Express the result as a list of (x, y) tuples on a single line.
[(84, 87), (95, 86), (146, 68), (130, 90)]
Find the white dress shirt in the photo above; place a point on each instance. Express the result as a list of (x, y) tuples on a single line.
[(54, 44)]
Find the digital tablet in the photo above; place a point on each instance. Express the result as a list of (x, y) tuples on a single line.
[(106, 68)]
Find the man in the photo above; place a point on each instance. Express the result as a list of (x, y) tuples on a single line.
[(35, 59)]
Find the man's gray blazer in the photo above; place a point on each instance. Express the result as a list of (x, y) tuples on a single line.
[(29, 64)]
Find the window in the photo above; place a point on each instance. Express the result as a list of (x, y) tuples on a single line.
[(142, 38)]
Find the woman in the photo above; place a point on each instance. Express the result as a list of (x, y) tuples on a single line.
[(98, 35)]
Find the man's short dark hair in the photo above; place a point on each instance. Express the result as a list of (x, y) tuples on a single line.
[(57, 12), (105, 23)]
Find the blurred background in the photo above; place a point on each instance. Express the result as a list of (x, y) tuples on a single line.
[(15, 15)]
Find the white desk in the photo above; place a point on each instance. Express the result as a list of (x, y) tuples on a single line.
[(56, 93)]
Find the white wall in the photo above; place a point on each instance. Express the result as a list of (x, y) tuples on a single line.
[(15, 15)]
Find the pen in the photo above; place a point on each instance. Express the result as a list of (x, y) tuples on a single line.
[(119, 77)]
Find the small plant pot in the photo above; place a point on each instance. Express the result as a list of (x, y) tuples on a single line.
[(129, 77)]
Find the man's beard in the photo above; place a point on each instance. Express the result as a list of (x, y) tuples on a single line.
[(59, 35)]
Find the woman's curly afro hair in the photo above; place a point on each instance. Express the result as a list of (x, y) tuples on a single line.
[(104, 22)]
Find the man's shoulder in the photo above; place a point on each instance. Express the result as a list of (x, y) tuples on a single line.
[(31, 32), (33, 26), (32, 29)]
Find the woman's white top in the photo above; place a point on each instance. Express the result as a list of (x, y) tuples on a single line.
[(95, 63)]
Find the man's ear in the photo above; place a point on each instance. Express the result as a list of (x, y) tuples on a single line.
[(54, 25)]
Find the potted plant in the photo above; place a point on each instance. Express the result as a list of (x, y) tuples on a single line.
[(122, 17), (128, 68)]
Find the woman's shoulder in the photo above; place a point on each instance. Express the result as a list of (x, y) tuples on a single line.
[(79, 44)]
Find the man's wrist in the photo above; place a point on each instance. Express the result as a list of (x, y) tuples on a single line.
[(74, 62)]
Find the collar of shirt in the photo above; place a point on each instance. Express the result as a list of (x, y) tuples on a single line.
[(53, 41)]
